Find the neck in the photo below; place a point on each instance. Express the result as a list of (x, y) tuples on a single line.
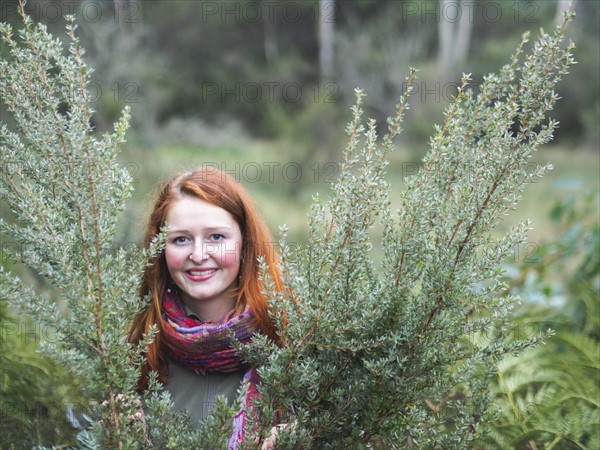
[(212, 310)]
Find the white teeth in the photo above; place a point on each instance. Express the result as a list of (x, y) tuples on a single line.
[(201, 272)]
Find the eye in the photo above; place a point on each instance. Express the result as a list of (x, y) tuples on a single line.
[(180, 240), (217, 237)]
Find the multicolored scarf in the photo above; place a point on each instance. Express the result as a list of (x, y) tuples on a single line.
[(206, 347)]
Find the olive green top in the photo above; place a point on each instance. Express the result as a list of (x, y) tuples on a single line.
[(196, 394)]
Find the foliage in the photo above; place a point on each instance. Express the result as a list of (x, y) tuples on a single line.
[(550, 396), (580, 93), (64, 188), (393, 357), (575, 256), (386, 357), (35, 394)]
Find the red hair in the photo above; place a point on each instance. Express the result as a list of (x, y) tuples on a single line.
[(221, 190)]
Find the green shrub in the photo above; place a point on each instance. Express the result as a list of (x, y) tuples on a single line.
[(385, 356)]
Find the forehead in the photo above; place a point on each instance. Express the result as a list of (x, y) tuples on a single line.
[(191, 211)]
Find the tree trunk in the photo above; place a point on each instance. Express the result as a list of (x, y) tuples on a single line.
[(445, 38), (270, 39), (454, 33), (326, 37), (463, 36)]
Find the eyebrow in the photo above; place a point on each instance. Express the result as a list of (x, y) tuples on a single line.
[(185, 230)]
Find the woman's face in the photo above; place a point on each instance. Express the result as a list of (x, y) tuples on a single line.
[(203, 251)]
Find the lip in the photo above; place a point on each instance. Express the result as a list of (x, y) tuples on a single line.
[(199, 275)]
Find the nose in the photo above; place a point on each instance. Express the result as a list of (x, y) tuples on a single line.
[(201, 252)]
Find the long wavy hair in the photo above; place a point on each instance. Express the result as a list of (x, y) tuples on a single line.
[(221, 190)]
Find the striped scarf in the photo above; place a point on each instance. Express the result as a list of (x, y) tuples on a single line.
[(206, 347)]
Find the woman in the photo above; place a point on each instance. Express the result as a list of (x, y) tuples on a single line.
[(202, 286)]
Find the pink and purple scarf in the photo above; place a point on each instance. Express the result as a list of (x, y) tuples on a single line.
[(206, 347)]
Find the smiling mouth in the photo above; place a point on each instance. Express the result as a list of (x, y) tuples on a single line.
[(201, 272)]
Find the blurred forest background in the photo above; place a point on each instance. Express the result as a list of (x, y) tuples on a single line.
[(262, 90)]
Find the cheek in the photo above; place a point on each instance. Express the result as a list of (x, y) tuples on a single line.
[(173, 258), (230, 256), (230, 259)]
